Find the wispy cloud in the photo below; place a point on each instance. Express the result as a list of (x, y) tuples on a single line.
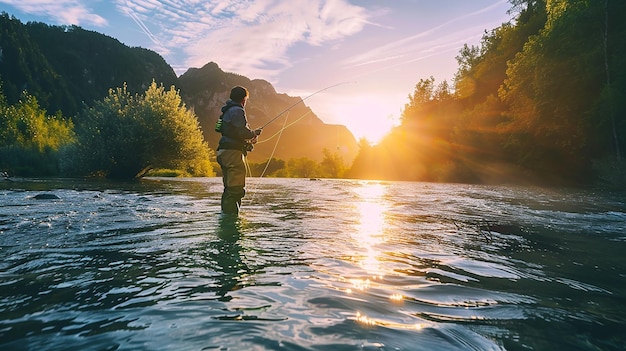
[(62, 11), (442, 38), (251, 38)]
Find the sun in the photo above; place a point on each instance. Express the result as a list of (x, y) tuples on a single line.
[(367, 118)]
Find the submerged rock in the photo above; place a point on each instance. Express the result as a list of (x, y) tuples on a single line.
[(46, 196)]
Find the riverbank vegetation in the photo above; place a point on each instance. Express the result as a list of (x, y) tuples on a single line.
[(30, 138), (121, 136), (539, 100), (125, 136), (332, 165)]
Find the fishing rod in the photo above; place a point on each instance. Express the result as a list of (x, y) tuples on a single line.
[(284, 127), (280, 132), (302, 100)]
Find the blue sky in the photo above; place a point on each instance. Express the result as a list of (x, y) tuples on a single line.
[(379, 48)]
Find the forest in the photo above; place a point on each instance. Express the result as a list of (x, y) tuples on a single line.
[(538, 101)]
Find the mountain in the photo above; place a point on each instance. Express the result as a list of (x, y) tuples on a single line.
[(67, 67), (64, 66), (206, 89)]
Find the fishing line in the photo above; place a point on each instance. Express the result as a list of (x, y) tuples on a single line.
[(283, 128), (302, 100), (280, 132)]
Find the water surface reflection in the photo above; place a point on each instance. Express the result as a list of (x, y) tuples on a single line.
[(324, 265), (369, 229)]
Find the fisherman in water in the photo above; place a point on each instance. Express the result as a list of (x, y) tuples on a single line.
[(236, 141)]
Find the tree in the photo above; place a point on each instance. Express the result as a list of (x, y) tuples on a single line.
[(177, 141), (30, 139), (551, 88), (332, 165), (267, 168), (124, 136), (300, 167), (421, 98), (609, 95)]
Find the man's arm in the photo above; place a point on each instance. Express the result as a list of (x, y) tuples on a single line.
[(240, 122)]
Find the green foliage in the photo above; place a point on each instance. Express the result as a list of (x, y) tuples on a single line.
[(171, 173), (30, 139), (300, 167), (123, 136), (66, 65), (540, 98), (332, 165), (25, 66), (552, 85), (611, 173), (419, 101), (267, 168)]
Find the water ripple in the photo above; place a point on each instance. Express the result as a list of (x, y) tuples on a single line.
[(331, 264)]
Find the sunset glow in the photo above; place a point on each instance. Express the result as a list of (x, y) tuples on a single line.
[(366, 116)]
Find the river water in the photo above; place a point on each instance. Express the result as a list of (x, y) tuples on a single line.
[(310, 265)]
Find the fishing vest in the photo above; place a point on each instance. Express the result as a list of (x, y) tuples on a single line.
[(220, 119)]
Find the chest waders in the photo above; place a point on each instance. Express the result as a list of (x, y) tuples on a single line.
[(234, 177)]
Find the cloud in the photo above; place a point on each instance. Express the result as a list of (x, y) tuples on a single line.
[(61, 11), (445, 37), (251, 38)]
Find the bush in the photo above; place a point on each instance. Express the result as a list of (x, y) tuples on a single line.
[(124, 136), (30, 139)]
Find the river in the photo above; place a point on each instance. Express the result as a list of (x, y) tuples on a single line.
[(310, 265)]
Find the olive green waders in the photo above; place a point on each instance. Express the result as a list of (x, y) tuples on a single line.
[(234, 177)]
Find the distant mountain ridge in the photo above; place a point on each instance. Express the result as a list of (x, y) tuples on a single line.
[(207, 88), (67, 67)]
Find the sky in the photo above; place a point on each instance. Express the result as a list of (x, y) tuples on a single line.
[(365, 55)]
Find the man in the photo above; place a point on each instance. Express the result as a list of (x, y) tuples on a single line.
[(237, 139)]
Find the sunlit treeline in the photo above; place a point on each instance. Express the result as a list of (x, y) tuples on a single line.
[(539, 100), (332, 165)]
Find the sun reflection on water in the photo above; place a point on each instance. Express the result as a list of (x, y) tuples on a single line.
[(369, 237), (369, 230), (369, 322)]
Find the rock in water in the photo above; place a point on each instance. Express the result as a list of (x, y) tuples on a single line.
[(46, 197)]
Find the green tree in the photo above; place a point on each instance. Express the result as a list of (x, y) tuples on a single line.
[(267, 168), (552, 87), (24, 65), (124, 136), (30, 139), (177, 141), (299, 167), (332, 165)]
